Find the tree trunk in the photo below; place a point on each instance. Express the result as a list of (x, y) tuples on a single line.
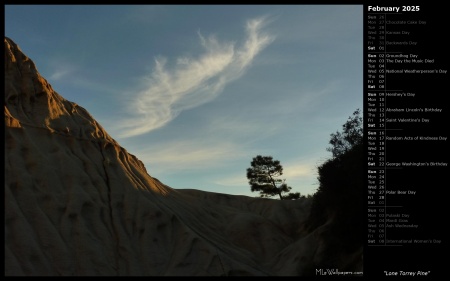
[(275, 186)]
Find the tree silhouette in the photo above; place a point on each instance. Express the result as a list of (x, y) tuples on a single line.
[(264, 176), (340, 192), (351, 135)]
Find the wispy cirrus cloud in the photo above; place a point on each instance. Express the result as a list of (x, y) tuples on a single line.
[(192, 81), (296, 171), (61, 69), (237, 180), (175, 156)]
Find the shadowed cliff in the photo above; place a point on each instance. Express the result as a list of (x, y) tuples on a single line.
[(77, 203)]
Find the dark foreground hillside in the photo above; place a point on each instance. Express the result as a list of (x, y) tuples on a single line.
[(77, 203)]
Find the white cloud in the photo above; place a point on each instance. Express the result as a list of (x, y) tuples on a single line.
[(233, 180), (60, 73), (241, 128), (61, 70), (297, 171), (192, 81), (189, 155)]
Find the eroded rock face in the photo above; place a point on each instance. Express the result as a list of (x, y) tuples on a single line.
[(30, 99), (77, 203)]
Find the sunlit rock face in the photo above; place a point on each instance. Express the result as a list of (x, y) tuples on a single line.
[(77, 203)]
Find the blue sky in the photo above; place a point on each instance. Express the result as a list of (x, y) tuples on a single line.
[(197, 91)]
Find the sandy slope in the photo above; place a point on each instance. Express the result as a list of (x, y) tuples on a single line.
[(77, 203)]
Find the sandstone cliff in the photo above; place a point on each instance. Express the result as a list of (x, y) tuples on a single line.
[(77, 203)]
